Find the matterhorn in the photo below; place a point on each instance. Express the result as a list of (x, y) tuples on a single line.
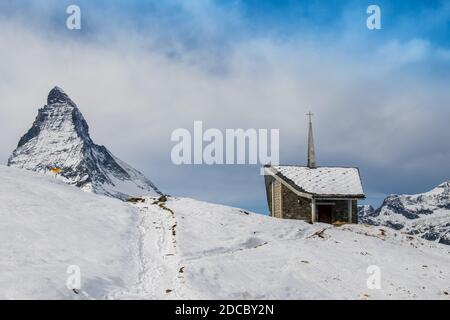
[(58, 143)]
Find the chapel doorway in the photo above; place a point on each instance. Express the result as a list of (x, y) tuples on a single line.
[(324, 213)]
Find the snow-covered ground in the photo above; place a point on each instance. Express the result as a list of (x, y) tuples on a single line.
[(184, 249), (47, 226), (210, 251)]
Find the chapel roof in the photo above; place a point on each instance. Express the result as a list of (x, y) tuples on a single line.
[(321, 182)]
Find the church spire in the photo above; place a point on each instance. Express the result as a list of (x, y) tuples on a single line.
[(311, 152)]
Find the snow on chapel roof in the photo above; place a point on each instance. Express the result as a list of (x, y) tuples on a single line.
[(322, 181)]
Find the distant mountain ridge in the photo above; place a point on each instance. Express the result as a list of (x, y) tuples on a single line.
[(425, 214), (59, 137)]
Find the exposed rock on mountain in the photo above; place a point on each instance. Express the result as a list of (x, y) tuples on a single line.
[(426, 214), (59, 141)]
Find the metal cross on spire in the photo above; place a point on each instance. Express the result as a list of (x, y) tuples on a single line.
[(309, 114)]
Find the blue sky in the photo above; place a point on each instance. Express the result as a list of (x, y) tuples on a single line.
[(234, 20), (380, 97)]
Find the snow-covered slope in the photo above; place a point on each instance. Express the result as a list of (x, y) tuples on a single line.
[(426, 215), (47, 226), (59, 138), (201, 250), (183, 248)]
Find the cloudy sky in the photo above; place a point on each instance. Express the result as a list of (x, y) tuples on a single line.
[(140, 69)]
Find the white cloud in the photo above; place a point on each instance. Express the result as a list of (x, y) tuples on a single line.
[(133, 97), (410, 51)]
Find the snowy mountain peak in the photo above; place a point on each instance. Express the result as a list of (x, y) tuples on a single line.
[(58, 96), (59, 137), (426, 214), (445, 186)]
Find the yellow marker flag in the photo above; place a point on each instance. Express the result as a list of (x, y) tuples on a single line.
[(55, 170)]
